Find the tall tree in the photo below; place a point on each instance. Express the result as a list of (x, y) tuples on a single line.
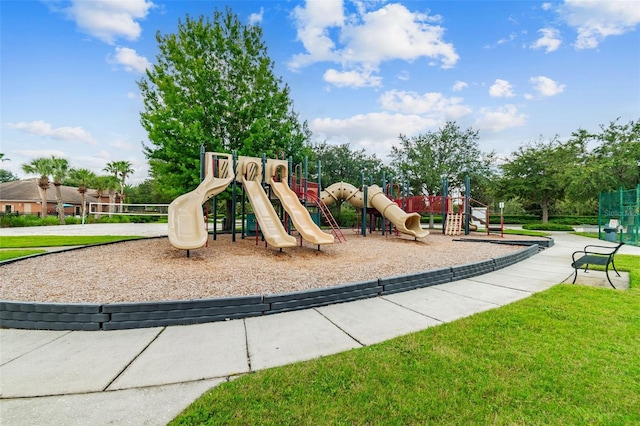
[(40, 166), (121, 170), (59, 172), (82, 178), (214, 85), (536, 172), (449, 152)]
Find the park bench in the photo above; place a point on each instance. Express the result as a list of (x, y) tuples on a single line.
[(595, 255)]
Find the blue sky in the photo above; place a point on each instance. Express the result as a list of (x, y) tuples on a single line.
[(360, 72)]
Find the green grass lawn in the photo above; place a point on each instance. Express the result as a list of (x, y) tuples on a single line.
[(57, 240), (569, 355), (24, 242), (587, 234), (13, 254), (526, 232)]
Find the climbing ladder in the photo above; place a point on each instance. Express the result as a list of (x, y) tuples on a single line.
[(331, 221), (454, 224)]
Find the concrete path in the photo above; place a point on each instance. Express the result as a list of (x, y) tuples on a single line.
[(148, 376)]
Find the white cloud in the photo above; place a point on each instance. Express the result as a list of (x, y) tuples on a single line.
[(256, 18), (404, 76), (367, 38), (500, 118), (546, 86), (547, 6), (122, 145), (109, 20), (376, 132), (549, 41), (351, 78), (595, 20), (130, 60), (436, 105), (459, 85), (393, 32), (313, 22), (43, 129), (501, 89)]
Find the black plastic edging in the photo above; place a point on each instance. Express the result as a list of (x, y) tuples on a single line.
[(116, 316)]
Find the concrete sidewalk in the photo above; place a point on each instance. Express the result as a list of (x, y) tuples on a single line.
[(147, 376)]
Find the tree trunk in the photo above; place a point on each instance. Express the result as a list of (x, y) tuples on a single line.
[(431, 224), (112, 201), (44, 203), (60, 204), (545, 210)]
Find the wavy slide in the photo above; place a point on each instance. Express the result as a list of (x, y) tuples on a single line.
[(300, 215), (186, 220), (270, 225), (407, 223)]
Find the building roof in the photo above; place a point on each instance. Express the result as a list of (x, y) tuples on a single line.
[(27, 190)]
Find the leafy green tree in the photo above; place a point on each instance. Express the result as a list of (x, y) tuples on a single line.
[(59, 172), (614, 162), (81, 178), (7, 176), (449, 152), (214, 85), (536, 173), (145, 192), (40, 166)]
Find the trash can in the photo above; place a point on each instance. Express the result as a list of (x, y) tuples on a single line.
[(610, 233)]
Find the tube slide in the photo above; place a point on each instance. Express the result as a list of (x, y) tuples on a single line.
[(186, 220), (407, 223), (300, 215), (267, 218)]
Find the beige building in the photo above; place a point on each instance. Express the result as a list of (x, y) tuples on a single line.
[(24, 197)]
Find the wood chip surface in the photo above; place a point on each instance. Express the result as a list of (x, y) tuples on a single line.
[(153, 270)]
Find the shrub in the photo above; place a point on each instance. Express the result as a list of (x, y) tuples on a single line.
[(547, 227)]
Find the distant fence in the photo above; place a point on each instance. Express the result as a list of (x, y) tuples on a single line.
[(620, 210), (129, 209)]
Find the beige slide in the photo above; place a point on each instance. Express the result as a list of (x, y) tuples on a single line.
[(300, 215), (186, 221), (407, 223), (270, 225)]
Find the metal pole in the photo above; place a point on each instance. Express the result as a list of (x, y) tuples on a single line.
[(467, 205), (363, 229), (306, 178), (201, 163), (445, 191), (233, 198), (384, 191), (214, 202)]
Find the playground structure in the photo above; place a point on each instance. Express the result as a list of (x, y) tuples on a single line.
[(266, 180), (261, 178)]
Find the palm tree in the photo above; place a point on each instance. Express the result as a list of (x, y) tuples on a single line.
[(100, 184), (60, 171), (121, 170), (82, 177), (43, 167), (110, 184)]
